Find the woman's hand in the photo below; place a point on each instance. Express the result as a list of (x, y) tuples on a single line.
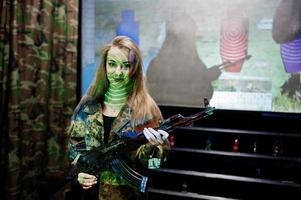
[(86, 180), (155, 137)]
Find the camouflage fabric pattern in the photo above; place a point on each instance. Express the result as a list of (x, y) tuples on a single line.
[(118, 192), (38, 76), (88, 129)]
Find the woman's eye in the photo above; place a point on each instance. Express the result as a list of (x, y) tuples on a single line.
[(112, 64), (126, 66)]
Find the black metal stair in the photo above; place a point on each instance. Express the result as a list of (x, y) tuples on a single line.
[(192, 171)]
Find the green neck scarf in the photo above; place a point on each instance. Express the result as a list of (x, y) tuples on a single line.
[(118, 91)]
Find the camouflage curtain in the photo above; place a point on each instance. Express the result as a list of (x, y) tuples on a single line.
[(38, 84)]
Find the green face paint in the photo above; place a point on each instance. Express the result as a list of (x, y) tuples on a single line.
[(120, 85)]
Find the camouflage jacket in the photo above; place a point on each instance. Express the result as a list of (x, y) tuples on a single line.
[(87, 131)]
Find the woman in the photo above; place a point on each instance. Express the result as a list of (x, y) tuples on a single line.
[(116, 102)]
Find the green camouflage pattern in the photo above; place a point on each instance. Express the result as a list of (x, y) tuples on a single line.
[(38, 81), (87, 129)]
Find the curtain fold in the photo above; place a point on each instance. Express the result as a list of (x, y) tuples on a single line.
[(38, 84)]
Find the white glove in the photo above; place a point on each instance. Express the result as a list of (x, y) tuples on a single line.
[(155, 137), (86, 180)]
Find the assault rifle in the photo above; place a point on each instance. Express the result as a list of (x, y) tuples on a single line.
[(92, 161)]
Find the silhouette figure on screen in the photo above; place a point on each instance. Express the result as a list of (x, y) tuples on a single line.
[(177, 76)]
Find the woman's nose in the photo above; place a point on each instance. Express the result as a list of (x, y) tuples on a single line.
[(118, 70)]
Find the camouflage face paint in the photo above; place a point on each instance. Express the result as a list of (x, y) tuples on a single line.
[(120, 85)]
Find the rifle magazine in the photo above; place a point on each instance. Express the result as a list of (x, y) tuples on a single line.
[(131, 176)]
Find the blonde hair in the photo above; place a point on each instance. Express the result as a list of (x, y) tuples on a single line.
[(141, 103)]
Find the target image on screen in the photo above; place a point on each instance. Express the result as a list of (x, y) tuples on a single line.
[(240, 54)]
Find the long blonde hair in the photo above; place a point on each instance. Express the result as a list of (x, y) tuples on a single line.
[(141, 103)]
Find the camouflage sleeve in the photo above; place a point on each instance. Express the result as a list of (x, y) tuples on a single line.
[(84, 132), (76, 139), (76, 130)]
